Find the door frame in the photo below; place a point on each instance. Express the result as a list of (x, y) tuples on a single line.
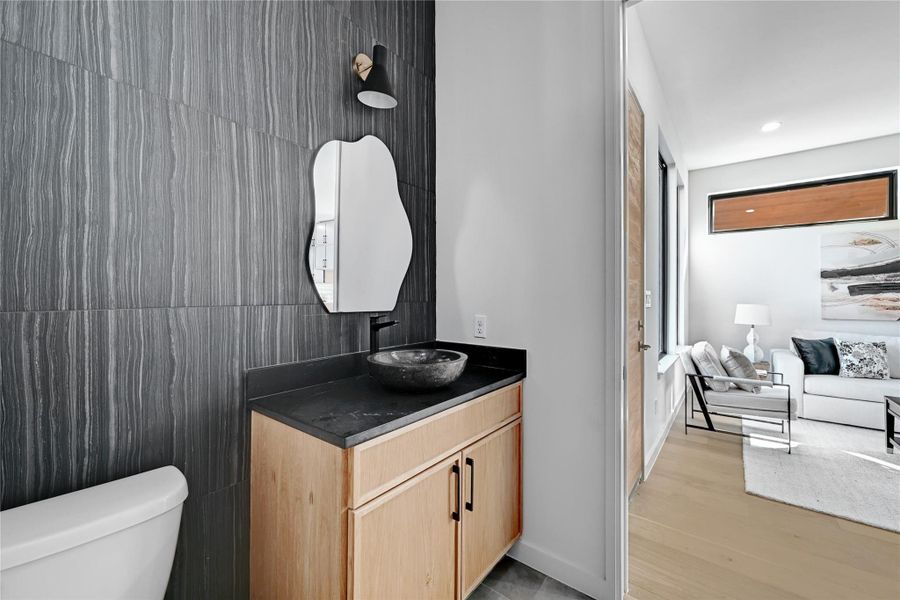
[(615, 71), (612, 59)]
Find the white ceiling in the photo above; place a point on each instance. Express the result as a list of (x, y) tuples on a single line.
[(830, 71)]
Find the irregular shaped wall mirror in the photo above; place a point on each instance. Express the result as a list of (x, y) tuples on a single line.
[(362, 242)]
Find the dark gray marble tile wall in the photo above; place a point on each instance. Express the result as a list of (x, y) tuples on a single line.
[(155, 162)]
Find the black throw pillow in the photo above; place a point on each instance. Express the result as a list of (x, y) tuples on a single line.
[(820, 357)]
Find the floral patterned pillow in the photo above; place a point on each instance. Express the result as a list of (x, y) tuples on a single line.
[(863, 359)]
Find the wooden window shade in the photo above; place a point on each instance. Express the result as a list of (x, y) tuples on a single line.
[(867, 197)]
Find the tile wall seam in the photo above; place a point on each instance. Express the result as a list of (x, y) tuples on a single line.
[(199, 306)]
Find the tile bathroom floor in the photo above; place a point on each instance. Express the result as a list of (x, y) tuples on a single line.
[(511, 580)]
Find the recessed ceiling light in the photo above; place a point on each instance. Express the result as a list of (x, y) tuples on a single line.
[(750, 210), (770, 126)]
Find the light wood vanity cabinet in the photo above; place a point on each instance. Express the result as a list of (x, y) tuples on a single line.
[(423, 512), (492, 515), (404, 543)]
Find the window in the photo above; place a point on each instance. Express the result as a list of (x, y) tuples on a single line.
[(679, 321), (663, 257), (869, 197)]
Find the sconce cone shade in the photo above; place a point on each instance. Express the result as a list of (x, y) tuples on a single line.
[(377, 91)]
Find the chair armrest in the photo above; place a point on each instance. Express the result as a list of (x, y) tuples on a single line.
[(791, 368), (759, 382)]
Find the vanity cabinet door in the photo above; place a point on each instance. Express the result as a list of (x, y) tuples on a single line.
[(404, 544), (492, 502)]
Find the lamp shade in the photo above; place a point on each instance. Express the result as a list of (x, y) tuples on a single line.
[(752, 314), (377, 91)]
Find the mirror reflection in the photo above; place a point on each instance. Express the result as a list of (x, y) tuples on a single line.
[(361, 243)]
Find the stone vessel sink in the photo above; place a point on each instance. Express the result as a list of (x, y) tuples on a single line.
[(417, 370)]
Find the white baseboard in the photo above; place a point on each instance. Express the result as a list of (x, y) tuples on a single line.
[(662, 439), (561, 569)]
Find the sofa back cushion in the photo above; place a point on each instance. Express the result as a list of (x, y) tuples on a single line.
[(707, 362), (863, 359), (686, 361), (738, 365), (820, 357), (892, 342)]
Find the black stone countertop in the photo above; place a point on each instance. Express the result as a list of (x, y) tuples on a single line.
[(334, 399)]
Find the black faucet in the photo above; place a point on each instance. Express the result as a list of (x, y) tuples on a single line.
[(374, 327)]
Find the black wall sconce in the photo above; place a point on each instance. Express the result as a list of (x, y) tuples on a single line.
[(376, 91)]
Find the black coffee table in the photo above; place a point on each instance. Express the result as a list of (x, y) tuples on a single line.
[(891, 420)]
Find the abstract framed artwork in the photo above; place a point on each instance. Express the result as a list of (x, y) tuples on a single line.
[(860, 275)]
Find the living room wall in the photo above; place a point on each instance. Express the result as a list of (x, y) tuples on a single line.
[(779, 267)]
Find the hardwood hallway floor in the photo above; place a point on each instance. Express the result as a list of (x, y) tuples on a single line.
[(695, 533)]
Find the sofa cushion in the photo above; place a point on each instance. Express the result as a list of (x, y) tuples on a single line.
[(820, 357), (870, 390), (866, 360), (770, 401), (738, 365), (892, 341), (708, 364)]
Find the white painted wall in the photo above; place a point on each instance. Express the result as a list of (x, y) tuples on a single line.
[(776, 267), (523, 236), (662, 390)]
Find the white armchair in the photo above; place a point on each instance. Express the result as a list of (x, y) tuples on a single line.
[(774, 402)]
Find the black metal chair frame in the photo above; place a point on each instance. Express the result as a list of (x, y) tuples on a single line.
[(694, 383)]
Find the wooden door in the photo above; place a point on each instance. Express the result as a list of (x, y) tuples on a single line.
[(634, 293), (492, 501), (403, 544)]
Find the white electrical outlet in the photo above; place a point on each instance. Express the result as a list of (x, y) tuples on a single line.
[(480, 330)]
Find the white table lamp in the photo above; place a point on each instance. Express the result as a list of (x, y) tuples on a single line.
[(753, 315)]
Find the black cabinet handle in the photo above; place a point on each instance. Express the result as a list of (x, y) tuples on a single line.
[(470, 505), (455, 513)]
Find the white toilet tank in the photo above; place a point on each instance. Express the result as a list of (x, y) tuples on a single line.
[(111, 541)]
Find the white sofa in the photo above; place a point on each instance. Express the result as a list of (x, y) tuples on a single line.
[(858, 402)]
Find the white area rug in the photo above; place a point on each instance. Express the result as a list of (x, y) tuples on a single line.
[(834, 469)]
